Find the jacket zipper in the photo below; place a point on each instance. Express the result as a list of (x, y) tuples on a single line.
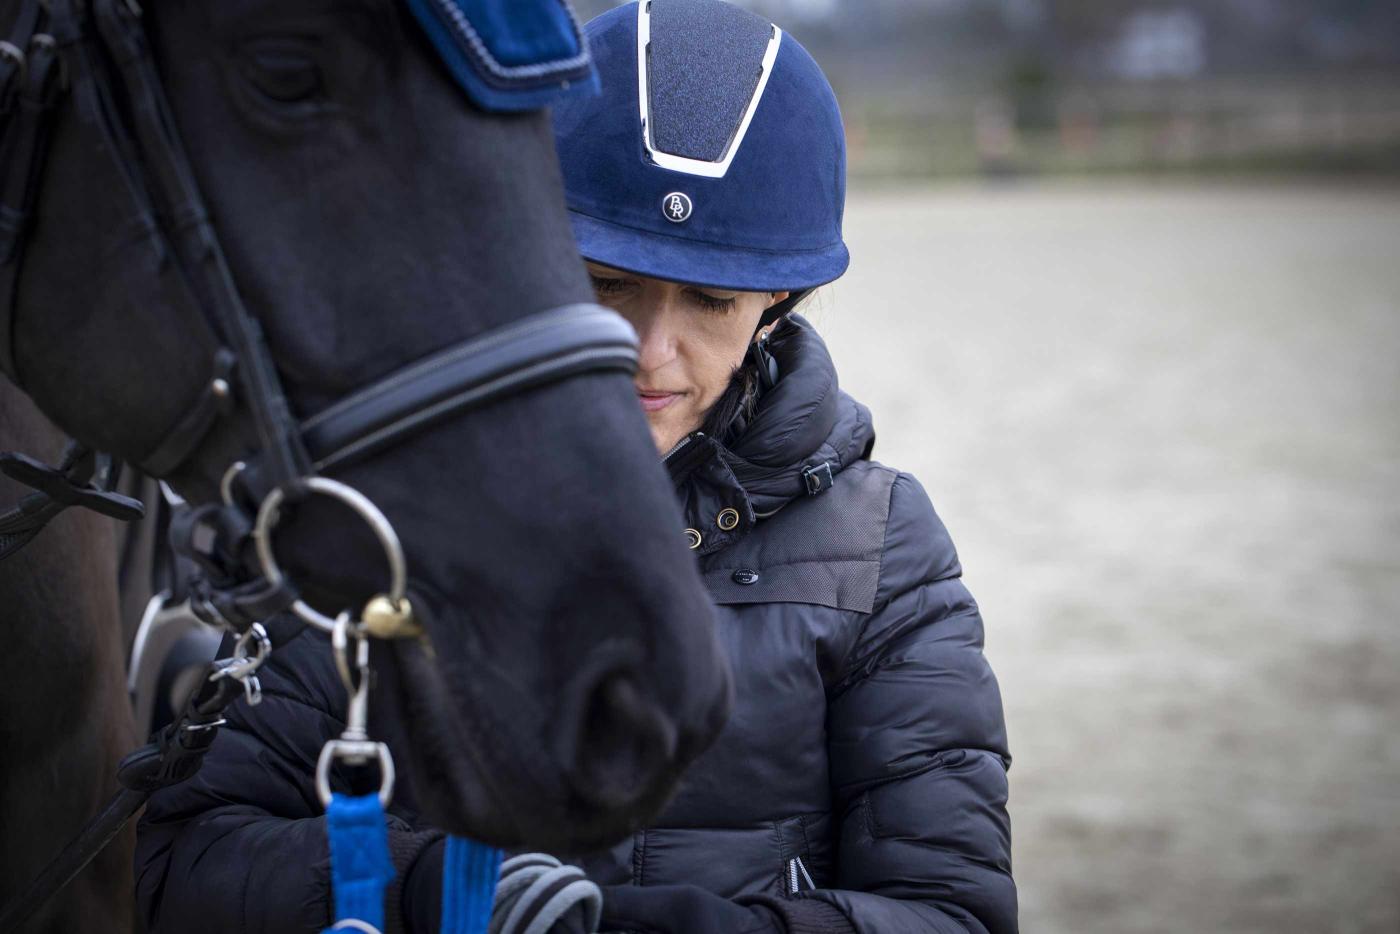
[(684, 457), (680, 444), (794, 884)]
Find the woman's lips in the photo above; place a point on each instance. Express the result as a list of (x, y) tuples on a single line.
[(656, 401)]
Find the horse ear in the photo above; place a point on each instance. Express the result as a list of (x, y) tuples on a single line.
[(547, 60)]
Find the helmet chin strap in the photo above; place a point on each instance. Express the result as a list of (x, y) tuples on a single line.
[(758, 347), (780, 309)]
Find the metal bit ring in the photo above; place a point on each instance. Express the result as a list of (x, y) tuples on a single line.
[(267, 518)]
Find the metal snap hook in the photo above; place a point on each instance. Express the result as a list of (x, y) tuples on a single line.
[(267, 518), (226, 481), (256, 633), (343, 631), (354, 744), (241, 667), (356, 752)]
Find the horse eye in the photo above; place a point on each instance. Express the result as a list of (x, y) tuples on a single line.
[(282, 71)]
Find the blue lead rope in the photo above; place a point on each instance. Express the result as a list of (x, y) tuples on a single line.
[(469, 874), (361, 870), (360, 864)]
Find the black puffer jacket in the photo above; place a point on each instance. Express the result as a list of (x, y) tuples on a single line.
[(860, 784)]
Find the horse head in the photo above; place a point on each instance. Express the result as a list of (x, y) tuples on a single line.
[(368, 216)]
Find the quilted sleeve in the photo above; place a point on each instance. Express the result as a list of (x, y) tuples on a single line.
[(918, 748), (241, 847)]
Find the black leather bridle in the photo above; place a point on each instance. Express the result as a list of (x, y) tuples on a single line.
[(127, 103), (97, 50)]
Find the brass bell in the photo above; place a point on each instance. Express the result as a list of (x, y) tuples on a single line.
[(385, 620)]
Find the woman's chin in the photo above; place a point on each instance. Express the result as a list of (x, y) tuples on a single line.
[(667, 432), (662, 436)]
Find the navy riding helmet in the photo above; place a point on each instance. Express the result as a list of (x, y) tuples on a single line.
[(714, 154)]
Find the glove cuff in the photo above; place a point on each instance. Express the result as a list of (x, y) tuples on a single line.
[(413, 904), (806, 915)]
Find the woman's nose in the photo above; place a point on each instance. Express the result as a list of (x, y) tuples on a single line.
[(656, 342)]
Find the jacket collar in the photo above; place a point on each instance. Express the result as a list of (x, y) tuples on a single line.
[(803, 432)]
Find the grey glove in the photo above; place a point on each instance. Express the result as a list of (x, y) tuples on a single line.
[(537, 894)]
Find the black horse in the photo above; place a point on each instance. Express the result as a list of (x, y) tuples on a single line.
[(371, 216)]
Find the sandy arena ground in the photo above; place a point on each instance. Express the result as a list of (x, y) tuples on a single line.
[(1163, 424)]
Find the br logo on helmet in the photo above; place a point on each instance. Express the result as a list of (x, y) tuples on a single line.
[(676, 206)]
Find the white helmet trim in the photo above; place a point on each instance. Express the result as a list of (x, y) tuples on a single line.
[(675, 163)]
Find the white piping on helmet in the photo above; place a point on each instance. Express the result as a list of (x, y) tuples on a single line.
[(675, 163)]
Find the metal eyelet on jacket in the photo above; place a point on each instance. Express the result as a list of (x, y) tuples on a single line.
[(692, 538), (728, 519)]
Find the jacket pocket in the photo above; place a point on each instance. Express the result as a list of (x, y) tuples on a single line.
[(805, 851), (844, 584), (799, 880)]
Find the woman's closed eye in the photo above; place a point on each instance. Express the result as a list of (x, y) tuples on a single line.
[(606, 285), (714, 303)]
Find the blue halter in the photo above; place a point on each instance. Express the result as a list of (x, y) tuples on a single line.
[(361, 871)]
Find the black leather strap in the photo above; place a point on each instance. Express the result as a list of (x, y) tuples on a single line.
[(543, 348), (188, 433), (186, 224), (30, 76), (71, 483), (13, 59)]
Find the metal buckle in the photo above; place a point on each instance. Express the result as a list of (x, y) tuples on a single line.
[(357, 501)]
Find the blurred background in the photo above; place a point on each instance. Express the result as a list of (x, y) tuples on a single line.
[(948, 88), (1125, 295)]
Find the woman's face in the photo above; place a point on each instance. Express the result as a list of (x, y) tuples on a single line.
[(692, 340)]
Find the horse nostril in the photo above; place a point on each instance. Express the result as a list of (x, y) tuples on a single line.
[(625, 743)]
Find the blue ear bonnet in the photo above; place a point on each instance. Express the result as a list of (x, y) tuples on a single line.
[(509, 55), (734, 175)]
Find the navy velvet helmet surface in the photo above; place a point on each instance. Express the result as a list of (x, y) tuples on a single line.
[(714, 154)]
